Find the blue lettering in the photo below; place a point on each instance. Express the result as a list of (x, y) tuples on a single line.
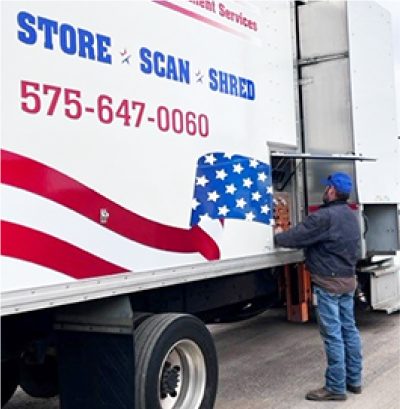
[(102, 43), (145, 55), (242, 87), (212, 73), (86, 41), (164, 66), (159, 58), (71, 40), (223, 82), (49, 27), (171, 69), (251, 90), (68, 39), (231, 84), (25, 20), (184, 72)]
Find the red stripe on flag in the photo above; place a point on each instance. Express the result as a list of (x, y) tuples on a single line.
[(35, 177), (36, 247)]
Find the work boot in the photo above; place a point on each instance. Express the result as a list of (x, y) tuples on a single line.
[(354, 389), (323, 394)]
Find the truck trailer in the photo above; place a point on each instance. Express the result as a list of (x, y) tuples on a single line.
[(148, 150)]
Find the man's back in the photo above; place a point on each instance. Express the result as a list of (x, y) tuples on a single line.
[(331, 238)]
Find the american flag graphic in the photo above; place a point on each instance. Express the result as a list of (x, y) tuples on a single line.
[(232, 187), (46, 212), (52, 230)]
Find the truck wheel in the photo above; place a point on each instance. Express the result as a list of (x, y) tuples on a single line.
[(176, 364), (9, 379)]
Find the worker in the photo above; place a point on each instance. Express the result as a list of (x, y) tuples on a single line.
[(331, 239)]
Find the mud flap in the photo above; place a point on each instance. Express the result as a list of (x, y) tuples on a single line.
[(96, 356)]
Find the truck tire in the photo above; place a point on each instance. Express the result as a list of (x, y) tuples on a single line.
[(176, 364), (9, 379)]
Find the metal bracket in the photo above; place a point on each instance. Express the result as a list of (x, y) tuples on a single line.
[(322, 58), (298, 292), (111, 315)]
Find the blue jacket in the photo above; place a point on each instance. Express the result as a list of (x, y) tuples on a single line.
[(331, 239)]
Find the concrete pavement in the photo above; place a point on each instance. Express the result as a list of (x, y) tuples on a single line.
[(267, 362)]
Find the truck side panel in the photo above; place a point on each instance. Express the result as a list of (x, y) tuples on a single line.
[(109, 122)]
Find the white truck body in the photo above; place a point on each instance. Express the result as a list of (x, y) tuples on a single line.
[(142, 176)]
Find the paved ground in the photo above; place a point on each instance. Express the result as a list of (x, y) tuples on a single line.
[(269, 363)]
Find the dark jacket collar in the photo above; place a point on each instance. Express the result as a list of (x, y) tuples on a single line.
[(334, 203)]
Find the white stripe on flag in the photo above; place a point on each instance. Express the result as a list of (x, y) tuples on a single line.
[(30, 210)]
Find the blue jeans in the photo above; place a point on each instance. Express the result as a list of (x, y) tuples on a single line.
[(335, 314)]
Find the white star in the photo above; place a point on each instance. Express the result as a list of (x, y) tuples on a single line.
[(201, 181), (269, 190), (228, 155), (195, 203), (230, 189), (211, 159), (247, 182), (223, 211), (253, 163), (265, 209), (241, 203), (238, 168), (213, 196), (205, 218), (256, 196), (221, 174), (262, 177), (250, 216)]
